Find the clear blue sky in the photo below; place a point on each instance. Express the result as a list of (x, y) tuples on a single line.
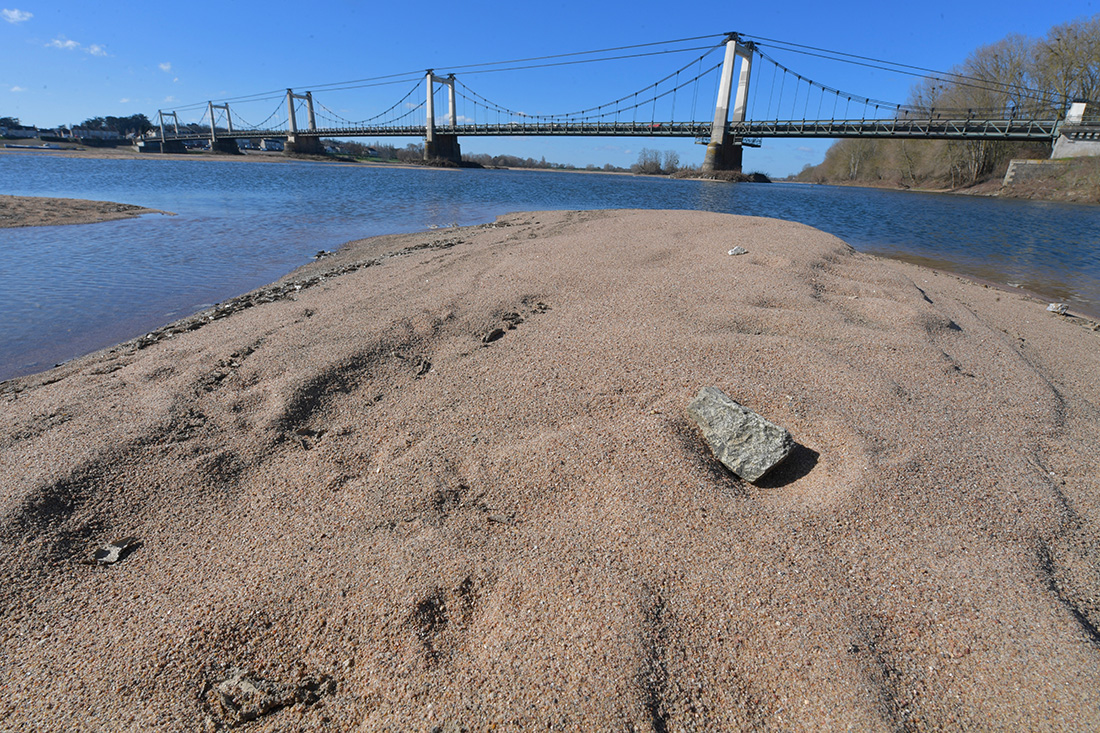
[(64, 61)]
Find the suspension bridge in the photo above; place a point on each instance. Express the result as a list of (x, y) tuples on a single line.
[(756, 96)]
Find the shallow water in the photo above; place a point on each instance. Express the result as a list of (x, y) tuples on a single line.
[(68, 290)]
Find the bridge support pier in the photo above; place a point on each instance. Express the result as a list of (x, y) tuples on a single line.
[(299, 145), (724, 156), (443, 147), (225, 145), (160, 146)]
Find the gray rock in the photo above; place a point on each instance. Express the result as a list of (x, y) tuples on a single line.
[(1059, 308), (738, 250), (116, 551), (746, 443), (244, 697)]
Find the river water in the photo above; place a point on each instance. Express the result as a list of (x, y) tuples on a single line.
[(68, 290)]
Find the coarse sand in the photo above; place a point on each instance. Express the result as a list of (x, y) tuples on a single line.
[(446, 481)]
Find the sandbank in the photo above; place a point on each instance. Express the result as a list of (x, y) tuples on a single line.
[(446, 481), (28, 211)]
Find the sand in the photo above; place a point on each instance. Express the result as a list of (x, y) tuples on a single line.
[(27, 211), (355, 513)]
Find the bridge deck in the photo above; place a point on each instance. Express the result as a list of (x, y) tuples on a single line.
[(928, 129)]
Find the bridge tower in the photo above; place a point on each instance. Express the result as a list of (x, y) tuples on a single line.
[(441, 145), (226, 144), (723, 150), (170, 146), (296, 143)]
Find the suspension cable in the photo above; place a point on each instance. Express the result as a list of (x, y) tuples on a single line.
[(882, 64), (360, 123), (465, 68), (980, 85), (260, 126)]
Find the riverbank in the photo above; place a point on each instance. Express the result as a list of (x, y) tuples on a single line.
[(31, 211), (1076, 181), (446, 479)]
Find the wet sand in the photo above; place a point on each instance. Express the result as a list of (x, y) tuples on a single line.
[(29, 211), (446, 481)]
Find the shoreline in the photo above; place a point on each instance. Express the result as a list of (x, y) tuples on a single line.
[(988, 189), (53, 211), (447, 479), (1075, 311)]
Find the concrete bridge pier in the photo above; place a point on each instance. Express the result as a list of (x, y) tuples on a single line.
[(160, 146), (723, 150), (724, 156), (301, 145), (443, 147), (225, 145)]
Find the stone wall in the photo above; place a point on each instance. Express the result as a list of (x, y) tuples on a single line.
[(1021, 170)]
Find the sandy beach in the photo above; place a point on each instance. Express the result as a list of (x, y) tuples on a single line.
[(446, 481)]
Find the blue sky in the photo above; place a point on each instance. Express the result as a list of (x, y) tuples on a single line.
[(63, 61)]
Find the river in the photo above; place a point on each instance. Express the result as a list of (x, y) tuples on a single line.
[(69, 290)]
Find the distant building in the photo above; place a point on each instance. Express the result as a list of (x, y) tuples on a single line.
[(85, 133), (22, 131)]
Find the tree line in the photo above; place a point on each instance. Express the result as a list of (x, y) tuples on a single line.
[(1014, 77), (137, 124)]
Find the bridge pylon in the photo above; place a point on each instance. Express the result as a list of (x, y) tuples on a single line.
[(295, 143), (439, 145), (226, 144), (723, 150), (170, 146)]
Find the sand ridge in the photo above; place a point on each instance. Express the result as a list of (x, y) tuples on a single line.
[(455, 486)]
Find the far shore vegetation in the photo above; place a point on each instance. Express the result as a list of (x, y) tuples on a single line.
[(1016, 73)]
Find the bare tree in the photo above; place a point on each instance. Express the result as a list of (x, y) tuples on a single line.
[(672, 161), (649, 162), (1067, 60)]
